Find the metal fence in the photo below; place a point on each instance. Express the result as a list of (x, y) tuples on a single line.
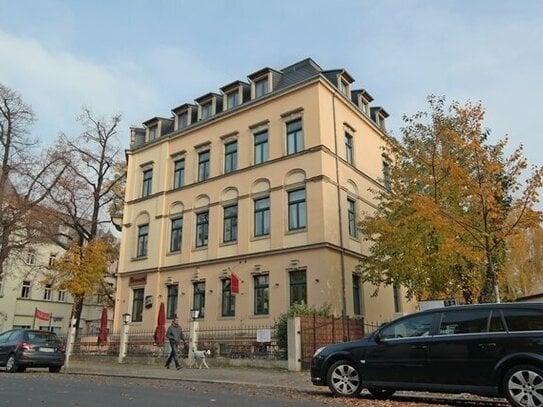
[(228, 342)]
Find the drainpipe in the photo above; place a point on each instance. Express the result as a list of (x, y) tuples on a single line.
[(340, 223)]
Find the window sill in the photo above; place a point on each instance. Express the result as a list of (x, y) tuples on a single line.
[(294, 231), (232, 243), (138, 258), (262, 237)]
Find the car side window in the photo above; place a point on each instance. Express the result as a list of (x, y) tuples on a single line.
[(419, 325), (523, 320), (4, 337), (464, 322), (496, 322)]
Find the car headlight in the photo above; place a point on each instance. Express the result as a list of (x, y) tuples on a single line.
[(318, 351)]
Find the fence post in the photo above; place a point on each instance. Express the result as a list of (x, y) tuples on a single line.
[(294, 335), (124, 342), (70, 342)]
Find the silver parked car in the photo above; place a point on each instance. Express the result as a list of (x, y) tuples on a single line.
[(22, 348)]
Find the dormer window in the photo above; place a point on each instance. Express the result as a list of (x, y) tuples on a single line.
[(152, 133), (232, 99), (182, 120), (261, 87), (206, 110), (343, 87)]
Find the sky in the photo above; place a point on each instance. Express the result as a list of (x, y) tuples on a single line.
[(142, 58)]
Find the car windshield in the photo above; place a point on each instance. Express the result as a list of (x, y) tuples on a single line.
[(41, 337)]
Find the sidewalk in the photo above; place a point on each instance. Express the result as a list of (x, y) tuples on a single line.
[(231, 375)]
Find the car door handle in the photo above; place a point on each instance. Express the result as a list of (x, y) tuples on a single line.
[(487, 346), (421, 347)]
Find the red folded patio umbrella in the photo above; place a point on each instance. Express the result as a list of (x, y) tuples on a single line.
[(160, 331), (102, 335)]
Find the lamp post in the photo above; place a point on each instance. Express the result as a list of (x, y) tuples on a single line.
[(70, 341), (193, 335), (124, 337)]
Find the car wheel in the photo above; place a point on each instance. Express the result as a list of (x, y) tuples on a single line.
[(343, 379), (54, 369), (523, 386), (11, 364), (381, 394)]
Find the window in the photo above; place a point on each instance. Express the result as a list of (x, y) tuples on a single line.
[(152, 133), (62, 295), (147, 186), (344, 87), (298, 287), (171, 302), (418, 325), (230, 223), (47, 292), (203, 165), (386, 175), (206, 110), (351, 217), (262, 300), (232, 99), (199, 298), (357, 303), (143, 237), (523, 320), (348, 148), (230, 156), (176, 235), (296, 210), (294, 136), (262, 216), (228, 299), (182, 120), (261, 147), (137, 305), (52, 259), (202, 228), (464, 322), (261, 87), (25, 292), (179, 173), (31, 257)]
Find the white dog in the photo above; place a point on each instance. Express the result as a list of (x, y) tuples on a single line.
[(199, 358)]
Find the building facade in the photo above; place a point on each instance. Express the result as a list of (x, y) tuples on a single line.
[(255, 189), (25, 295)]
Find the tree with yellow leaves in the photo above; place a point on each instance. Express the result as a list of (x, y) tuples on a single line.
[(81, 269), (454, 200)]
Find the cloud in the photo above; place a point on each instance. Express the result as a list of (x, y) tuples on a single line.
[(57, 83)]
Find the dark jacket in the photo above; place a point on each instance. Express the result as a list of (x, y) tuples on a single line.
[(175, 333)]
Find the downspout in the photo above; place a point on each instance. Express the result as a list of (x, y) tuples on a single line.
[(340, 223)]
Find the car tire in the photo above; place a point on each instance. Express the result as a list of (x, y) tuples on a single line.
[(521, 383), (54, 369), (381, 394), (11, 364), (343, 379)]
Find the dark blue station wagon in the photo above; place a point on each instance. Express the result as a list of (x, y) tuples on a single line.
[(487, 349)]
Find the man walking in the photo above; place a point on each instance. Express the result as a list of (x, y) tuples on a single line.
[(174, 335)]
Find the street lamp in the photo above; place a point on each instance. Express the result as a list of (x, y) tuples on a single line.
[(126, 318), (194, 313)]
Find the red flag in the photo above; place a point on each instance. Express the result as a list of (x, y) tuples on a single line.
[(41, 315), (234, 284)]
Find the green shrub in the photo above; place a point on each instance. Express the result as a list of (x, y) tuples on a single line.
[(295, 310)]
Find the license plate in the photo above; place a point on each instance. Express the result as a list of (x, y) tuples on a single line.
[(47, 349)]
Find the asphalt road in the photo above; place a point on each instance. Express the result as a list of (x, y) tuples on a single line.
[(60, 390)]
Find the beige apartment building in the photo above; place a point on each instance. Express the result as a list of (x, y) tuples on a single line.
[(262, 182)]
